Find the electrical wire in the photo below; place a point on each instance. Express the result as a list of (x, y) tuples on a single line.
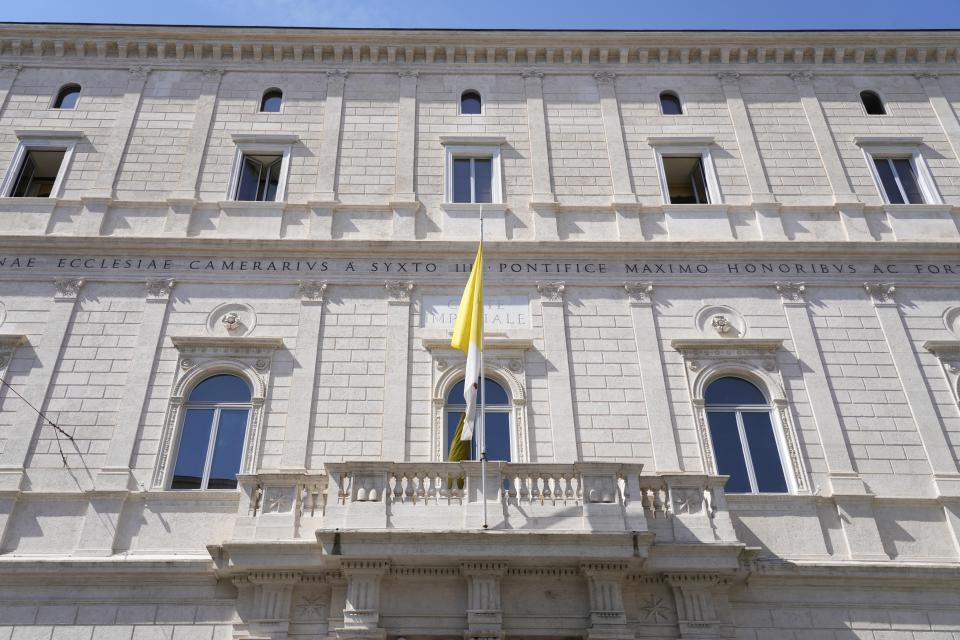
[(57, 431)]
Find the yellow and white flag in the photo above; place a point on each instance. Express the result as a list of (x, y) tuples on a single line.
[(468, 337)]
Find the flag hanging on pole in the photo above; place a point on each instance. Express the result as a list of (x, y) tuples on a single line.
[(468, 337), (459, 448)]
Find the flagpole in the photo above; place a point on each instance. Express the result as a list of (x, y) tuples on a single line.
[(482, 432)]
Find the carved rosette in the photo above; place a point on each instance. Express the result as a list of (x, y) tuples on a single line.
[(801, 76), (551, 292), (67, 288), (398, 291), (881, 293), (639, 293), (311, 290), (791, 292), (160, 289)]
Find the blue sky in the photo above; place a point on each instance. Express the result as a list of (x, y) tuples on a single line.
[(603, 14)]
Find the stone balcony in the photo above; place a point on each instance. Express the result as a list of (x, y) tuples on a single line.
[(545, 511)]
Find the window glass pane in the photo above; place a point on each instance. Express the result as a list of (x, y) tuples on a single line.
[(249, 181), (483, 168), (25, 179), (461, 180), (728, 450), (764, 454), (192, 454), (495, 394), (38, 174), (733, 391), (908, 180), (221, 388), (271, 102), (470, 103), (271, 181), (698, 182), (67, 98), (888, 180), (498, 436), (228, 449), (670, 104)]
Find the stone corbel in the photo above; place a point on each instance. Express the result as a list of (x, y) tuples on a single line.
[(608, 620), (697, 614), (484, 610), (361, 615), (882, 293)]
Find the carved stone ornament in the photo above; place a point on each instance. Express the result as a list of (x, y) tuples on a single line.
[(231, 319), (604, 77), (720, 324), (801, 76), (881, 293), (159, 289), (655, 609), (792, 292), (551, 291), (311, 605), (399, 291), (67, 288), (728, 76), (720, 320), (311, 290), (139, 71), (639, 292)]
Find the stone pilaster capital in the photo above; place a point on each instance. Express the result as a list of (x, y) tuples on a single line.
[(731, 77), (551, 292), (926, 75), (640, 293), (881, 293), (605, 77), (791, 292), (487, 568), (159, 289), (398, 291), (408, 73), (139, 71), (336, 74), (532, 73), (311, 290), (16, 68), (213, 73), (67, 288), (801, 76)]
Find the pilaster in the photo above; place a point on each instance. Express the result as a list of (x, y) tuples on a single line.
[(397, 390), (823, 137), (608, 620), (697, 614), (404, 200), (361, 614), (652, 376), (8, 75), (484, 609), (270, 610), (330, 147), (303, 381), (942, 108), (558, 371)]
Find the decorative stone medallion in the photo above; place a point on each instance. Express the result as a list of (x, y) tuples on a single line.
[(720, 321), (231, 319)]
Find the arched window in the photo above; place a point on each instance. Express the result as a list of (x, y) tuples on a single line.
[(872, 103), (213, 434), (670, 104), (470, 103), (741, 431), (67, 97), (271, 101), (497, 414)]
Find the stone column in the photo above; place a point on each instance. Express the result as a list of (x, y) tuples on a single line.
[(543, 202), (624, 198), (404, 201), (608, 620), (8, 74), (184, 195), (852, 497), (321, 210), (942, 108), (303, 383), (397, 390), (915, 388), (361, 615), (484, 610), (97, 201), (764, 202), (565, 446), (652, 377), (851, 209)]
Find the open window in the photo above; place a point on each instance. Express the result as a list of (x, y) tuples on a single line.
[(686, 180), (872, 103), (259, 178), (39, 165), (67, 97), (261, 167)]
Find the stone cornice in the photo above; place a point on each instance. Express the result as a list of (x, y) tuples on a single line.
[(382, 47)]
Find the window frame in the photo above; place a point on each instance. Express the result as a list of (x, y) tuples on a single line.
[(56, 97), (714, 195), (479, 150), (863, 106), (483, 103), (254, 148), (263, 97), (499, 408), (675, 94), (24, 146), (214, 429), (911, 152)]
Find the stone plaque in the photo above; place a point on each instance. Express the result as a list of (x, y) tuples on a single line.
[(500, 312)]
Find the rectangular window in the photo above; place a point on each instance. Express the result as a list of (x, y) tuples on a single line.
[(38, 173), (259, 178), (898, 179), (685, 179), (473, 180)]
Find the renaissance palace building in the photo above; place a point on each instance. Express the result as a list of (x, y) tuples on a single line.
[(722, 353)]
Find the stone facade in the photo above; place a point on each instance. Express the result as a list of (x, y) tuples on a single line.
[(611, 310)]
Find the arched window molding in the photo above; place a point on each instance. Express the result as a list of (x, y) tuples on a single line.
[(670, 104), (199, 359), (755, 361), (506, 372), (271, 101), (471, 103), (67, 96)]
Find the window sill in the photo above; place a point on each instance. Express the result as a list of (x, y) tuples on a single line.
[(681, 208), (251, 204), (494, 207)]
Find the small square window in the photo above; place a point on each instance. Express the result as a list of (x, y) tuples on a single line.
[(259, 178), (38, 174), (686, 180), (898, 179)]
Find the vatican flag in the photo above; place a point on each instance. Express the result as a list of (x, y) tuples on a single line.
[(468, 337)]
